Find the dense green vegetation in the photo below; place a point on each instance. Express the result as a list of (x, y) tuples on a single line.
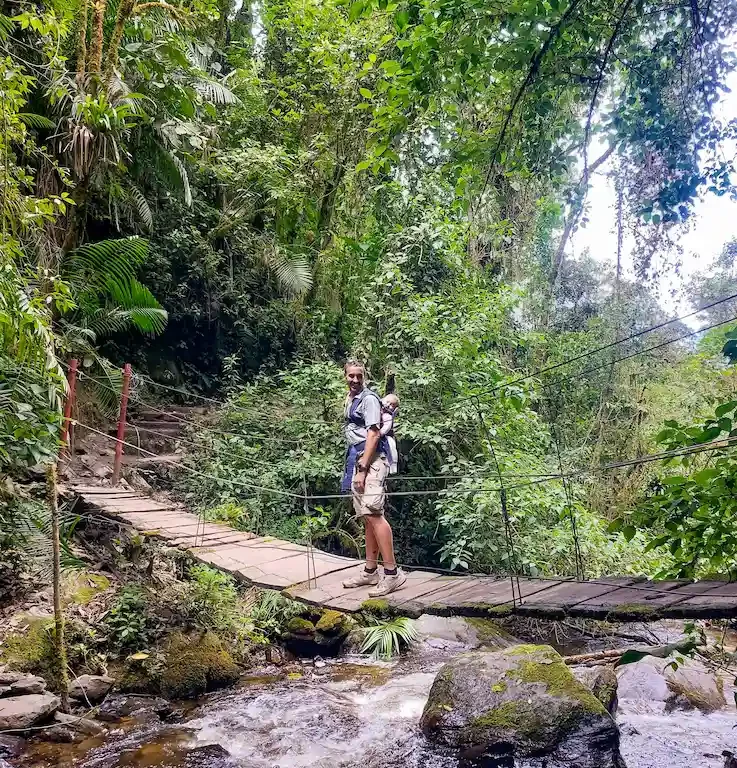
[(235, 197)]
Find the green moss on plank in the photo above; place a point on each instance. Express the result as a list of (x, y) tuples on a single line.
[(499, 611), (376, 607), (633, 611)]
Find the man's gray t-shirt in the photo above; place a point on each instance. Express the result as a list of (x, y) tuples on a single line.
[(369, 409)]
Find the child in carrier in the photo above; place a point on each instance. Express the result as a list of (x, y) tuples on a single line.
[(389, 408)]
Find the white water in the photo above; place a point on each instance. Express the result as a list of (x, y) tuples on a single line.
[(348, 715)]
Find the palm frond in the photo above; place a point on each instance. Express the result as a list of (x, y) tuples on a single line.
[(142, 206), (292, 272), (389, 637), (138, 306), (36, 121), (175, 172), (215, 92), (95, 266), (6, 27)]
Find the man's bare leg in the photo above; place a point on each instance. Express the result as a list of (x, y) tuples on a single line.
[(383, 540), (372, 546)]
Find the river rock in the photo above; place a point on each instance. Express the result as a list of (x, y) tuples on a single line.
[(92, 688), (518, 703), (83, 725), (458, 631), (691, 685), (11, 746), (120, 706), (602, 681), (209, 756), (8, 678), (28, 684), (319, 635), (21, 712), (70, 729)]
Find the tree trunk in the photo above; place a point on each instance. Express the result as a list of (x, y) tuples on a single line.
[(60, 653), (125, 9), (98, 36), (82, 41)]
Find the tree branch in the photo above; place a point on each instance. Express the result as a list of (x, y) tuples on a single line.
[(531, 73)]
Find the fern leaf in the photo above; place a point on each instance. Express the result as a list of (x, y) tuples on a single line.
[(387, 638), (96, 265), (6, 27), (184, 178), (39, 122)]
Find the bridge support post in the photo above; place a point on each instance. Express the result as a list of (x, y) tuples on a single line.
[(122, 415), (69, 404)]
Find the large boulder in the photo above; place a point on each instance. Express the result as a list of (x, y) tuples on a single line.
[(190, 665), (520, 702), (20, 712), (602, 682), (90, 688)]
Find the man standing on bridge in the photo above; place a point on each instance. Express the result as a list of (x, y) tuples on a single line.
[(365, 476)]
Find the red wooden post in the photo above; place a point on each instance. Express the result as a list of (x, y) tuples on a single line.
[(121, 423), (72, 387)]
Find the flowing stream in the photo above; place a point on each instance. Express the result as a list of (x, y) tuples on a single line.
[(355, 713)]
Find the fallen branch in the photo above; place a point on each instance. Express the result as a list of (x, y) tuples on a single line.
[(629, 655)]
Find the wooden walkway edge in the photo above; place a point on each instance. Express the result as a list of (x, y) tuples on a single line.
[(316, 577)]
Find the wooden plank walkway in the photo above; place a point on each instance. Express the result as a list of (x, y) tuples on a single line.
[(316, 577)]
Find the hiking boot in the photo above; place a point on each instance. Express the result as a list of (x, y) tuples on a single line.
[(389, 584), (364, 579)]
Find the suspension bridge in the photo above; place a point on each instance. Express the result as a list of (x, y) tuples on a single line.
[(315, 577), (304, 573)]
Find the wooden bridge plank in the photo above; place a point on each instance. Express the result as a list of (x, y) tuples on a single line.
[(716, 600), (317, 591), (561, 598), (443, 585), (639, 599), (275, 564), (209, 539), (494, 592)]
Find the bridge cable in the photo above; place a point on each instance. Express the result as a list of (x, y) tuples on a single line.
[(613, 361), (508, 534), (553, 417)]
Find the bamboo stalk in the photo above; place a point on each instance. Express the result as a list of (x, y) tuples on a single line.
[(60, 651)]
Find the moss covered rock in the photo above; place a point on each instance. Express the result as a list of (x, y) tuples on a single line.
[(320, 635), (602, 682), (194, 664), (516, 703)]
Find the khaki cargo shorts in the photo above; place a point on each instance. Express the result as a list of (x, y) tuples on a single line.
[(373, 498)]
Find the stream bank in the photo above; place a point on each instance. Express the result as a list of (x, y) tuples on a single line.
[(353, 711)]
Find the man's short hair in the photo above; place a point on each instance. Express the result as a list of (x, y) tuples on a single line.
[(351, 363)]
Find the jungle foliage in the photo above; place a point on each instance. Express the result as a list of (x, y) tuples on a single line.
[(235, 197)]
